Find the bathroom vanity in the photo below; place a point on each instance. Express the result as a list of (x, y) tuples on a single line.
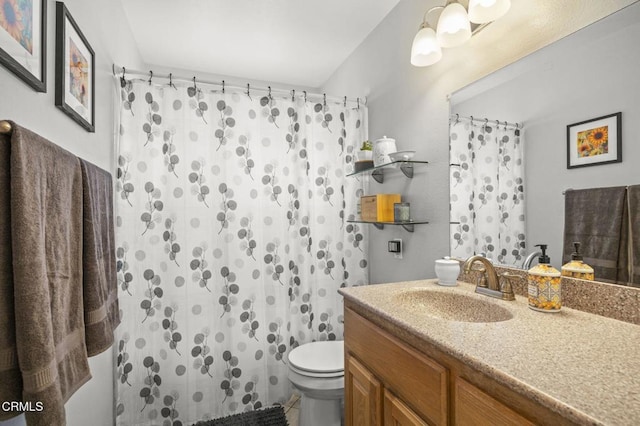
[(417, 353)]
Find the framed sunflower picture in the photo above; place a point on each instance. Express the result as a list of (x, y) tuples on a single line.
[(75, 70), (23, 40), (595, 141)]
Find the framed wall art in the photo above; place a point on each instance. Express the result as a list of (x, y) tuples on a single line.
[(23, 40), (595, 141), (75, 70)]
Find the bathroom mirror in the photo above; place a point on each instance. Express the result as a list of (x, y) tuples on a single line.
[(588, 74)]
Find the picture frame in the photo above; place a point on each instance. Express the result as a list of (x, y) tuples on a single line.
[(75, 70), (595, 141), (23, 40)]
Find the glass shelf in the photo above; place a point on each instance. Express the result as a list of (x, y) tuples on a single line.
[(377, 172), (408, 226)]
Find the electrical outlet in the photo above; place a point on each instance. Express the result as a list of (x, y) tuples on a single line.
[(395, 246)]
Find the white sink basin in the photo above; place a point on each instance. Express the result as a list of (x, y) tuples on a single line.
[(452, 306)]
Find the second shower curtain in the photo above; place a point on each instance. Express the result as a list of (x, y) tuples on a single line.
[(487, 191), (232, 240)]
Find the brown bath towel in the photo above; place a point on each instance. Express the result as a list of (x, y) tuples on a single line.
[(46, 223), (101, 314), (633, 235), (10, 379), (594, 218)]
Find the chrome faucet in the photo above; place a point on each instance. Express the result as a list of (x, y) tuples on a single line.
[(490, 284), (529, 260)]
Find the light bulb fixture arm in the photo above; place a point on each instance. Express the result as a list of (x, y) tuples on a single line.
[(425, 22)]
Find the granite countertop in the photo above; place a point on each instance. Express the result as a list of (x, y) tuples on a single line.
[(584, 366)]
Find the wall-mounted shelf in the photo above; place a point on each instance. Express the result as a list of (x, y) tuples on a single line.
[(377, 173), (408, 226)]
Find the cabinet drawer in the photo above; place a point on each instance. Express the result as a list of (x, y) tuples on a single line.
[(416, 379), (474, 407)]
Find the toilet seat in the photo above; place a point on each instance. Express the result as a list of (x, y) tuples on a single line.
[(323, 359)]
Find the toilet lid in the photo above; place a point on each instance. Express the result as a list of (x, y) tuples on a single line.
[(318, 357)]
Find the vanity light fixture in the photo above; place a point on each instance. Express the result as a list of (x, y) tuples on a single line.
[(484, 11), (455, 26), (425, 50)]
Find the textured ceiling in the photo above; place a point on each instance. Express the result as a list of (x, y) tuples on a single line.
[(298, 42), (526, 28)]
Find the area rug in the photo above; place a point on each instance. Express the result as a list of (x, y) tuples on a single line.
[(272, 416)]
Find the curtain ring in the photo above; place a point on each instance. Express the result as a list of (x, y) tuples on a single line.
[(150, 77), (123, 80), (248, 92), (293, 95), (194, 82), (457, 118), (358, 100), (324, 100), (171, 81), (305, 96), (472, 119), (223, 87), (270, 98), (345, 101)]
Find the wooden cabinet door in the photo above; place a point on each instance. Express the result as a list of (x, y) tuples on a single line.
[(362, 395), (413, 377), (474, 407), (398, 414)]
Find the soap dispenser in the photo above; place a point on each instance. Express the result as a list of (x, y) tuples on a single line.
[(576, 268), (544, 282)]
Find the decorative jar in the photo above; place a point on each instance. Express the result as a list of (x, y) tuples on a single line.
[(447, 271), (381, 150)]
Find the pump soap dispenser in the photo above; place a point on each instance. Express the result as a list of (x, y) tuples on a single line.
[(544, 283), (576, 268)]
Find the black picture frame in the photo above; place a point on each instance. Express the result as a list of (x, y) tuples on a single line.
[(595, 141), (75, 70), (23, 44)]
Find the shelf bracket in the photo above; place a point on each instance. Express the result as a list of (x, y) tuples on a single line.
[(378, 175), (408, 227), (407, 169), (378, 225)]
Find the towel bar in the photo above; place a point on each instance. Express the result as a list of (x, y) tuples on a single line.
[(5, 127)]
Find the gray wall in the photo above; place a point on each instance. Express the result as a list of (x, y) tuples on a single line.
[(591, 73), (105, 26)]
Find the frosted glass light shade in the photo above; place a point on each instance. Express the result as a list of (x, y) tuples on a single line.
[(425, 50), (454, 27), (483, 11)]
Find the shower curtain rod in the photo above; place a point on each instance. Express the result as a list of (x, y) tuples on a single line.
[(457, 117), (123, 71)]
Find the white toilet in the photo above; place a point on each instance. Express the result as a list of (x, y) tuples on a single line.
[(317, 370)]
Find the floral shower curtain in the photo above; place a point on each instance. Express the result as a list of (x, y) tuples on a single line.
[(487, 191), (232, 241)]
